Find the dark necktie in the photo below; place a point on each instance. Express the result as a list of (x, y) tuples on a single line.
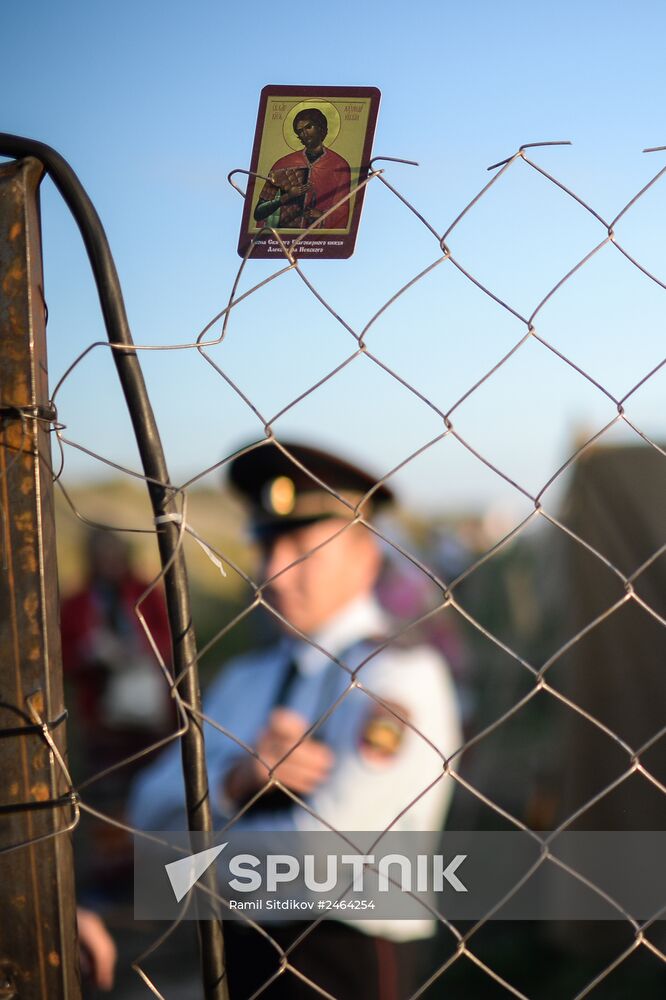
[(275, 800)]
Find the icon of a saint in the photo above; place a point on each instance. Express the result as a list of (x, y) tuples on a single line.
[(305, 184)]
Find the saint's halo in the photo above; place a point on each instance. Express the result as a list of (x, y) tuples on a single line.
[(329, 110)]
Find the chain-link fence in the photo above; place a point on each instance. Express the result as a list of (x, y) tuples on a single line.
[(554, 731)]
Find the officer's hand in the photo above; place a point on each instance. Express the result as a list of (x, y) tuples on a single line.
[(307, 765), (305, 768)]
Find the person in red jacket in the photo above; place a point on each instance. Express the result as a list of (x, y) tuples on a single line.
[(121, 696), (304, 185), (106, 653)]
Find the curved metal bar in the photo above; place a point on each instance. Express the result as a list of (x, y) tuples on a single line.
[(162, 500)]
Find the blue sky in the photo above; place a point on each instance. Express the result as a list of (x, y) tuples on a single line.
[(154, 103)]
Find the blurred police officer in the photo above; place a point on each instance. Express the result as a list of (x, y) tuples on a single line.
[(373, 762)]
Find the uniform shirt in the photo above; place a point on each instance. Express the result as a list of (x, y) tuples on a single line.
[(366, 790)]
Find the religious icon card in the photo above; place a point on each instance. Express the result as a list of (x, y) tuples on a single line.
[(311, 156)]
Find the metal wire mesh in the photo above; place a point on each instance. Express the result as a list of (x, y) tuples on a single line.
[(537, 675)]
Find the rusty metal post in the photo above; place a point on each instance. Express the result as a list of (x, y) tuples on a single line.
[(38, 946), (162, 500)]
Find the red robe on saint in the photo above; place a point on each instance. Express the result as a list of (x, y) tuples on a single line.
[(329, 178)]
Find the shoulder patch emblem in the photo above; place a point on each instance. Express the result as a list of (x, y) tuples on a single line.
[(383, 732)]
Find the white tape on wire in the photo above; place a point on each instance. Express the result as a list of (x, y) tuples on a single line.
[(178, 519)]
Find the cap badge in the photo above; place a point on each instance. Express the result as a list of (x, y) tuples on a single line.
[(280, 496)]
